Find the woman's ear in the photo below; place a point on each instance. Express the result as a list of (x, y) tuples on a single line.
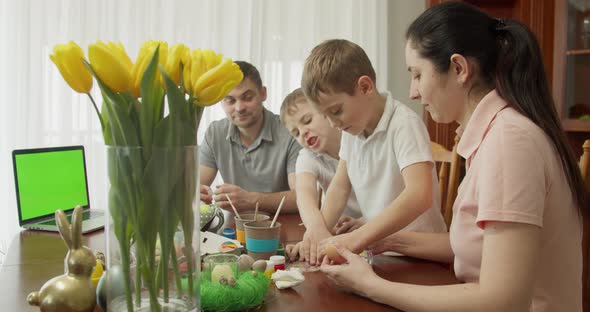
[(461, 68)]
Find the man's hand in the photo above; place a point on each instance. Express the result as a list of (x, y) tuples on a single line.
[(347, 224), (206, 194), (241, 199)]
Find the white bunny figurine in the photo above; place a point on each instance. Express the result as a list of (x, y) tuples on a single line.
[(73, 291)]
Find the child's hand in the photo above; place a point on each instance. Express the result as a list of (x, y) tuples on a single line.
[(293, 252), (311, 242), (347, 224)]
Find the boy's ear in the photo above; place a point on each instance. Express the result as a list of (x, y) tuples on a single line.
[(461, 68), (365, 85)]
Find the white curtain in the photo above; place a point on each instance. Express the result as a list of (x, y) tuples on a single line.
[(38, 109)]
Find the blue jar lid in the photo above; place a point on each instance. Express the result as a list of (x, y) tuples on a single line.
[(228, 231)]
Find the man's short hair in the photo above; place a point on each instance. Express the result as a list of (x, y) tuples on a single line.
[(289, 105), (250, 72), (335, 66)]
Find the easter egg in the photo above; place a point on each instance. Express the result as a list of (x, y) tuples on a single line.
[(245, 263), (96, 273), (259, 265), (333, 254), (111, 285)]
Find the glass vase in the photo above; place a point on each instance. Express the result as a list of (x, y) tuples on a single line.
[(152, 230)]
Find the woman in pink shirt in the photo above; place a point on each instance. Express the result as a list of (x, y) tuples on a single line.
[(515, 238)]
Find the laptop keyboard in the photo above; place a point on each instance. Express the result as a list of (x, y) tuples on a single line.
[(85, 216)]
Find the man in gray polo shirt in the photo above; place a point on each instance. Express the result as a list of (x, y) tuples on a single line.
[(252, 151)]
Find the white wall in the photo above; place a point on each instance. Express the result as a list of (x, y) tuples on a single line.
[(400, 14)]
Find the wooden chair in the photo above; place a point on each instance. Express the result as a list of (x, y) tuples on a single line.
[(585, 170), (448, 176), (585, 163)]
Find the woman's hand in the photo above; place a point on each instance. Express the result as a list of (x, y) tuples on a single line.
[(355, 275), (349, 241), (390, 243)]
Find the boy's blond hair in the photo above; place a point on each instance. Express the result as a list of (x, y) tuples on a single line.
[(289, 105), (335, 66)]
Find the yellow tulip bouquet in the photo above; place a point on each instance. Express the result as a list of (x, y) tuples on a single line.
[(152, 159)]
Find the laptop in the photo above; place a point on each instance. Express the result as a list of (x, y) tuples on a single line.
[(48, 179)]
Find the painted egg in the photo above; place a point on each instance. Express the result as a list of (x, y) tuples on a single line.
[(333, 254)]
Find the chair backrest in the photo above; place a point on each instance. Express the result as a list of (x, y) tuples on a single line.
[(585, 162), (585, 170), (448, 176)]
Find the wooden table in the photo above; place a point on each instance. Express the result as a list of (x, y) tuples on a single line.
[(35, 257)]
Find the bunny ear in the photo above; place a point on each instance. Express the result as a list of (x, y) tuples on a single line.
[(77, 227), (64, 227)]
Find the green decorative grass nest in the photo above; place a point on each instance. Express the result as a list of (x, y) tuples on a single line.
[(247, 293)]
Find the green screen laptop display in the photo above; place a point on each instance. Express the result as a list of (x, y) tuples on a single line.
[(49, 179)]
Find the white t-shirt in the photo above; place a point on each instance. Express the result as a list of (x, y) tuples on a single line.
[(375, 163), (323, 167)]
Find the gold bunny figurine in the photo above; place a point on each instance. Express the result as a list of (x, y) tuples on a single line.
[(73, 291)]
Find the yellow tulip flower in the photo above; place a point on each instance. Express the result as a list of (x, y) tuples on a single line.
[(175, 56), (143, 59), (214, 84), (198, 66), (111, 64), (211, 59), (186, 71), (68, 59), (201, 61)]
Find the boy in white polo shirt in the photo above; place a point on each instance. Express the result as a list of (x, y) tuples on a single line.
[(385, 154)]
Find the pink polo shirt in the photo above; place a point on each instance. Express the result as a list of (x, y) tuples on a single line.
[(514, 174)]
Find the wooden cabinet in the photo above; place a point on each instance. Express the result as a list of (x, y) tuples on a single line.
[(558, 25), (571, 75)]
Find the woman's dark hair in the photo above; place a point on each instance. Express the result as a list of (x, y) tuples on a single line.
[(510, 60)]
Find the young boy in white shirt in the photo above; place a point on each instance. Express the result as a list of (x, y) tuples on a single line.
[(385, 154), (316, 165)]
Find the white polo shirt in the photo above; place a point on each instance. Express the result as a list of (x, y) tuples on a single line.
[(375, 163)]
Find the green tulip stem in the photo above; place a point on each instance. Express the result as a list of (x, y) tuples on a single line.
[(176, 275), (125, 259), (138, 265), (159, 272), (97, 111), (199, 114)]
